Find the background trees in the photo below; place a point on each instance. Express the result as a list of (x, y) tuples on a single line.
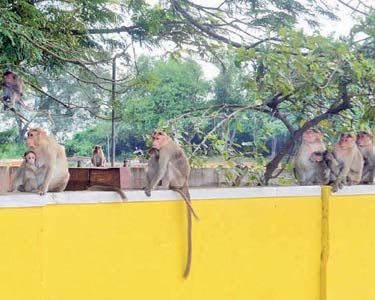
[(275, 79)]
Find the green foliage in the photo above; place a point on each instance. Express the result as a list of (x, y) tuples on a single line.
[(170, 88), (83, 142), (8, 145), (12, 151), (271, 87)]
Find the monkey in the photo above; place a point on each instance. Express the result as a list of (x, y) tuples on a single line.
[(305, 166), (322, 171), (365, 145), (29, 179), (53, 175), (12, 89), (334, 167), (347, 154), (169, 164), (98, 158)]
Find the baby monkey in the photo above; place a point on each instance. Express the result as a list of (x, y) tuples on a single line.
[(322, 167), (29, 179)]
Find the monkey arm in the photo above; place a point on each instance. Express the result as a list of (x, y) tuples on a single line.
[(369, 168), (161, 169), (343, 173), (160, 172)]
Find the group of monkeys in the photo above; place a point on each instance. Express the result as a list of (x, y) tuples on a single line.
[(45, 166), (351, 161), (32, 169), (45, 169)]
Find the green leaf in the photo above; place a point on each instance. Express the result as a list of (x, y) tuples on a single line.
[(239, 126), (318, 78)]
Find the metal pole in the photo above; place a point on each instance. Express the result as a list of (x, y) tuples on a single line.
[(113, 110)]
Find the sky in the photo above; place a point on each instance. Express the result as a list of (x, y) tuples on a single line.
[(337, 28)]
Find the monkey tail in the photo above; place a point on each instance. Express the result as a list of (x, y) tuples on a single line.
[(184, 192), (108, 188), (189, 243)]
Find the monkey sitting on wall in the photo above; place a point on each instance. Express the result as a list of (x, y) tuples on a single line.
[(53, 173), (29, 178), (322, 168), (98, 158), (365, 145), (169, 165), (350, 160), (306, 165)]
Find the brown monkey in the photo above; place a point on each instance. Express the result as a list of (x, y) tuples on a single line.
[(53, 165), (347, 154), (12, 89), (98, 158), (29, 179), (169, 164), (322, 171), (304, 162), (365, 145), (334, 167)]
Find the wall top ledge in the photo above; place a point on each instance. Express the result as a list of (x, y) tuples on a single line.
[(76, 197), (356, 190)]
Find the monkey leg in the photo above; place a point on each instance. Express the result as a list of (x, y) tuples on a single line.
[(148, 192), (59, 184), (338, 184), (368, 174), (30, 186)]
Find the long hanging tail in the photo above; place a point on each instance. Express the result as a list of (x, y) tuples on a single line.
[(184, 192), (189, 243)]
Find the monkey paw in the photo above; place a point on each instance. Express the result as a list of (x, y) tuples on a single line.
[(147, 192), (42, 192)]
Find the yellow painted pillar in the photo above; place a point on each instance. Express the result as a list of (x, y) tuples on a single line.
[(324, 254)]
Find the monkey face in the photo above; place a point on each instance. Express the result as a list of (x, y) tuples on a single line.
[(33, 138), (159, 139), (364, 138), (153, 152), (97, 149), (347, 140), (30, 158), (317, 156), (311, 136)]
